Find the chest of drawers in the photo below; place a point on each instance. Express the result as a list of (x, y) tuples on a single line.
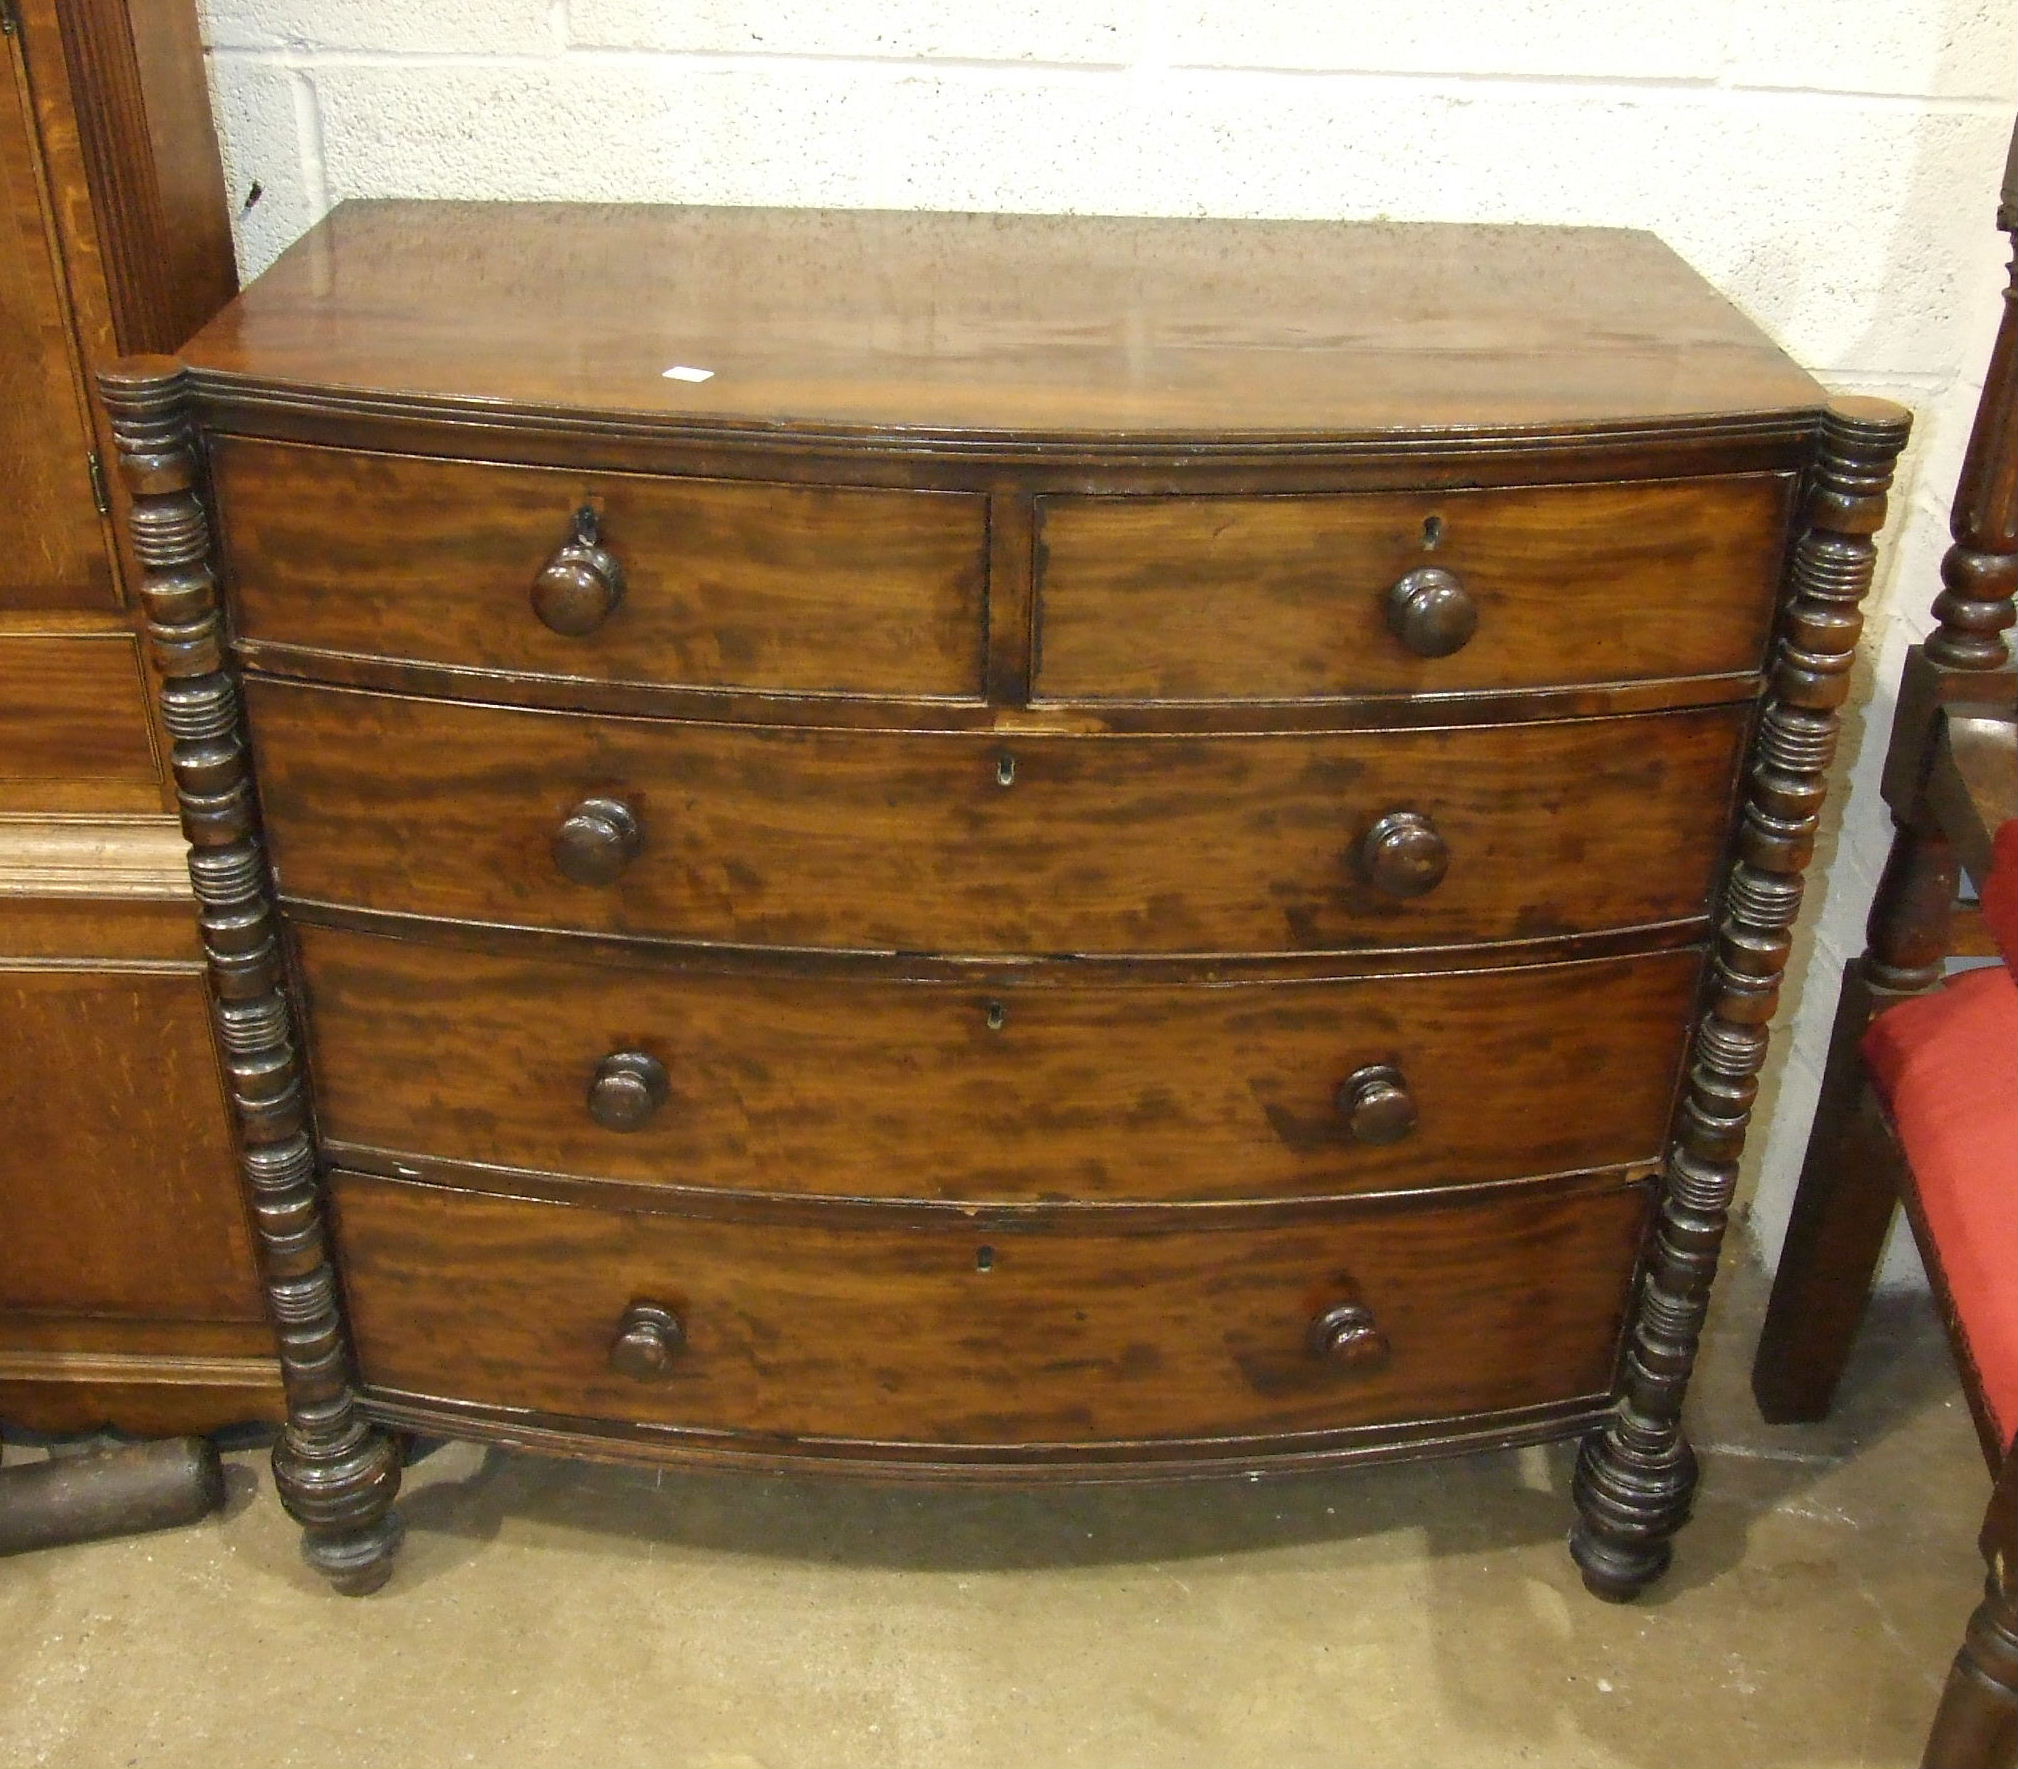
[(984, 847)]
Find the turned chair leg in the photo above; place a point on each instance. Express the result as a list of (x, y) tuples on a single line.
[(1976, 1726), (1850, 1181)]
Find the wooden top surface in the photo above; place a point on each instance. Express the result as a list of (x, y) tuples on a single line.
[(824, 320)]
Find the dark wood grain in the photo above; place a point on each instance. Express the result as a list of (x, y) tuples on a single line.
[(54, 548), (116, 1148), (911, 843), (728, 584), (1068, 1337), (74, 730), (907, 1090), (918, 323), (1221, 598)]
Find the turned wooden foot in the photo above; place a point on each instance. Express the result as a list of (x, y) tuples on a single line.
[(356, 1562), (1635, 1484), (339, 1485), (1976, 1726)]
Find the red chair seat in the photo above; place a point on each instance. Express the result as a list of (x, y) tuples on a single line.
[(1946, 1065)]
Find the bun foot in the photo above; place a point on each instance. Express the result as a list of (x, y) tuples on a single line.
[(356, 1562), (338, 1477), (1616, 1574), (1635, 1482)]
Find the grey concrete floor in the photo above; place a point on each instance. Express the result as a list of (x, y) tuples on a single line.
[(559, 1614)]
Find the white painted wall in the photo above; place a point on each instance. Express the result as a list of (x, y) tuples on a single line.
[(1830, 164)]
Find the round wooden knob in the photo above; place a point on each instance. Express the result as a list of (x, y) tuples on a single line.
[(648, 1342), (1376, 1104), (1347, 1335), (580, 586), (597, 840), (1431, 612), (627, 1089), (1403, 855)]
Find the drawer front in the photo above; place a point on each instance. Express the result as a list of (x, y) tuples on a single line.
[(916, 843), (1057, 1334), (851, 1087), (1288, 597), (726, 583), (74, 734)]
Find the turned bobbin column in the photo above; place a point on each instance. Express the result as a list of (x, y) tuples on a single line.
[(337, 1474), (1979, 575), (1636, 1475)]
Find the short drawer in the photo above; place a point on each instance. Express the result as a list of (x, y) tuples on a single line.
[(1051, 1332), (854, 1087), (725, 583), (1258, 598), (965, 843)]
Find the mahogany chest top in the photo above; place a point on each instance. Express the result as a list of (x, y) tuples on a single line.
[(1004, 326)]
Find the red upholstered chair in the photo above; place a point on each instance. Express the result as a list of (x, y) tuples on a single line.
[(1919, 1101), (1945, 1067), (1932, 1123)]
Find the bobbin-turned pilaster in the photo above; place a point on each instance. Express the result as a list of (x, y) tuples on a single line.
[(337, 1474), (1636, 1476)]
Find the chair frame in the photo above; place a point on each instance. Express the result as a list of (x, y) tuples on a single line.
[(1949, 778)]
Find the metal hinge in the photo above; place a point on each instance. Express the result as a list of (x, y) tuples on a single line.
[(10, 19), (96, 463)]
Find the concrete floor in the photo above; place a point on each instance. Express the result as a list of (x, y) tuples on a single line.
[(552, 1613)]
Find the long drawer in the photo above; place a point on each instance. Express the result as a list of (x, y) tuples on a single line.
[(1058, 1332), (719, 583), (853, 1087), (975, 844)]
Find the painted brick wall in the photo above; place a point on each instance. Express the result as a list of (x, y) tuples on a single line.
[(1830, 164)]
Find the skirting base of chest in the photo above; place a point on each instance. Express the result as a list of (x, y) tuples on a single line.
[(1030, 1465)]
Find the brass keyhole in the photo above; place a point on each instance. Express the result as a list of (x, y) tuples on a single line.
[(996, 1015), (1005, 770)]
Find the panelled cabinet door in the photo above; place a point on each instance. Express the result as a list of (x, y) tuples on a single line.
[(53, 548), (114, 1198)]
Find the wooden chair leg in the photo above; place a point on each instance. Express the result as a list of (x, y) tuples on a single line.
[(1843, 1211), (1976, 1726), (1849, 1186)]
